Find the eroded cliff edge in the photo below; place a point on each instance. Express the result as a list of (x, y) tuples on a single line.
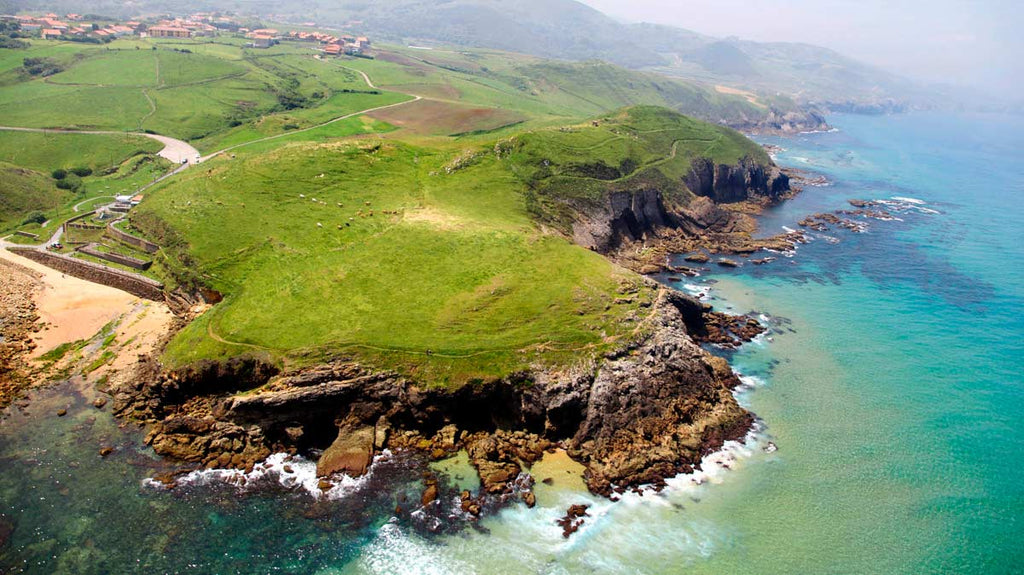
[(641, 227), (645, 412)]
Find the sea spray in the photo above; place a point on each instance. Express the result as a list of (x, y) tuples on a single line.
[(291, 472)]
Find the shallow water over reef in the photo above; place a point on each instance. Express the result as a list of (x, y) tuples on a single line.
[(889, 392)]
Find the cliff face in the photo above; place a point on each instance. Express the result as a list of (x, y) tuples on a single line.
[(735, 183), (634, 216), (627, 216), (647, 412), (806, 119)]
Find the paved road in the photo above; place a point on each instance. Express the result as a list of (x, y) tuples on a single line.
[(174, 150)]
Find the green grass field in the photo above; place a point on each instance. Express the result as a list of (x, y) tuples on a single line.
[(47, 152), (427, 260), (407, 239)]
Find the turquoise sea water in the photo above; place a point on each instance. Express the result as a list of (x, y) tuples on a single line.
[(891, 384)]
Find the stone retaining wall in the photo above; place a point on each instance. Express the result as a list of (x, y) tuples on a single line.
[(126, 281), (79, 226), (115, 257), (124, 238)]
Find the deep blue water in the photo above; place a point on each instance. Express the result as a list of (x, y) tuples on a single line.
[(891, 383)]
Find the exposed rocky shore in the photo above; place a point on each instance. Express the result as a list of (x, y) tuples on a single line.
[(779, 123), (646, 412), (18, 322)]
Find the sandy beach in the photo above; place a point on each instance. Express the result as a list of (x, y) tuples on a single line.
[(72, 309)]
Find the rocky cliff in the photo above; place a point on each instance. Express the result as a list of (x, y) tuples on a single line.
[(803, 119), (726, 184), (625, 218), (648, 411)]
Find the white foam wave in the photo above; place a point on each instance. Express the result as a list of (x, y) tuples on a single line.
[(715, 467), (395, 551), (909, 200), (291, 472), (829, 131), (700, 292)]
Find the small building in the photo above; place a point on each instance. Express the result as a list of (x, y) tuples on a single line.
[(263, 41), (51, 34), (169, 32), (54, 23), (333, 49)]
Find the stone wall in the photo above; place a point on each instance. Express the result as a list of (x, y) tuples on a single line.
[(115, 257), (126, 281), (144, 245)]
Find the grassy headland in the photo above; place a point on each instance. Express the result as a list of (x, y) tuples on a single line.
[(428, 260), (421, 237)]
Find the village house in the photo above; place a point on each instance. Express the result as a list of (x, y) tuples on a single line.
[(169, 32), (263, 41), (53, 23), (51, 34), (118, 30)]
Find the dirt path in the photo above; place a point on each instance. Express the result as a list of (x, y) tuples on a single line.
[(361, 73)]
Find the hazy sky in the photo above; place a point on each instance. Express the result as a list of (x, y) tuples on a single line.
[(956, 41)]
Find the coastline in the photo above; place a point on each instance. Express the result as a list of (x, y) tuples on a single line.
[(254, 412), (76, 326), (875, 438)]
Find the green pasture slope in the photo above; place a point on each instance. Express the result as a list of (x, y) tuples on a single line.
[(567, 168), (188, 89), (404, 244), (47, 152), (427, 260), (120, 164), (216, 93)]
